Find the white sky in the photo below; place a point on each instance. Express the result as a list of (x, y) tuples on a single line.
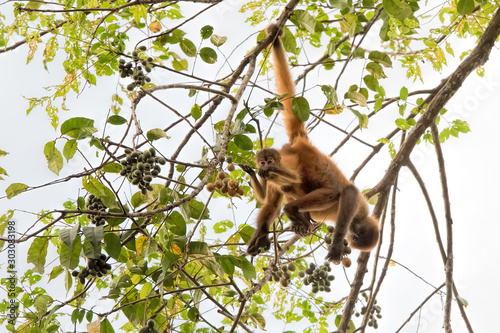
[(472, 163)]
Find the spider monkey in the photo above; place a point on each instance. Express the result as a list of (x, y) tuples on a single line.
[(311, 184)]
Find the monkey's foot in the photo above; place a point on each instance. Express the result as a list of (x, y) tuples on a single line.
[(259, 243), (302, 228), (335, 252)]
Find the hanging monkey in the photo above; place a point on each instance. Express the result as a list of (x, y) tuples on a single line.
[(311, 184)]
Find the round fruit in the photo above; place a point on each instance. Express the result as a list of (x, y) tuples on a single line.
[(210, 187), (230, 167), (221, 175), (346, 262), (151, 323)]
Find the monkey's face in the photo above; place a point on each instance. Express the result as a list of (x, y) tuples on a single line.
[(267, 157)]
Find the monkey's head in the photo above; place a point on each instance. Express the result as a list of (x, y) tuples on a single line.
[(363, 233), (267, 156)]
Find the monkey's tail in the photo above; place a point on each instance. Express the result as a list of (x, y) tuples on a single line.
[(294, 127)]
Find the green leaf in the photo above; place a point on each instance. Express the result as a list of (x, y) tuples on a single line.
[(330, 93), (92, 242), (300, 108), (188, 47), (42, 303), (246, 233), (53, 156), (362, 118), (206, 31), (223, 226), (465, 7), (243, 142), (403, 93), (289, 41), (15, 189), (258, 320), (69, 149), (226, 264), (371, 82), (94, 234), (69, 257), (112, 245), (106, 327), (198, 248), (95, 187), (218, 40), (401, 123), (176, 224), (56, 271), (399, 9), (376, 70), (208, 55), (380, 58), (358, 53), (463, 301), (196, 112), (112, 167), (37, 253), (117, 120), (196, 208), (180, 65), (303, 20), (156, 134), (247, 268), (357, 98), (68, 235), (78, 128)]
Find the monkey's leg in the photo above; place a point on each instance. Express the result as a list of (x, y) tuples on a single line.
[(268, 212), (297, 210), (348, 205)]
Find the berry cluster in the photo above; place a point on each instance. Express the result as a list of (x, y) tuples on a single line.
[(95, 267), (374, 313), (224, 183), (283, 275), (318, 277), (346, 262), (134, 70), (141, 167), (149, 328), (94, 203)]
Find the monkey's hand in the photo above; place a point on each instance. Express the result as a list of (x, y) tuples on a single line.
[(259, 242), (335, 251), (268, 171), (248, 169)]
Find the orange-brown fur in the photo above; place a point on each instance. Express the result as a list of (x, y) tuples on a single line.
[(311, 183)]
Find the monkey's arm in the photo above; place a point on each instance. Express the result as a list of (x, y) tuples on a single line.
[(278, 175), (268, 212), (259, 188), (348, 204)]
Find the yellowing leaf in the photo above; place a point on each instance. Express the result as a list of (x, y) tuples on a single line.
[(94, 327), (176, 249), (335, 109), (155, 26), (139, 243)]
